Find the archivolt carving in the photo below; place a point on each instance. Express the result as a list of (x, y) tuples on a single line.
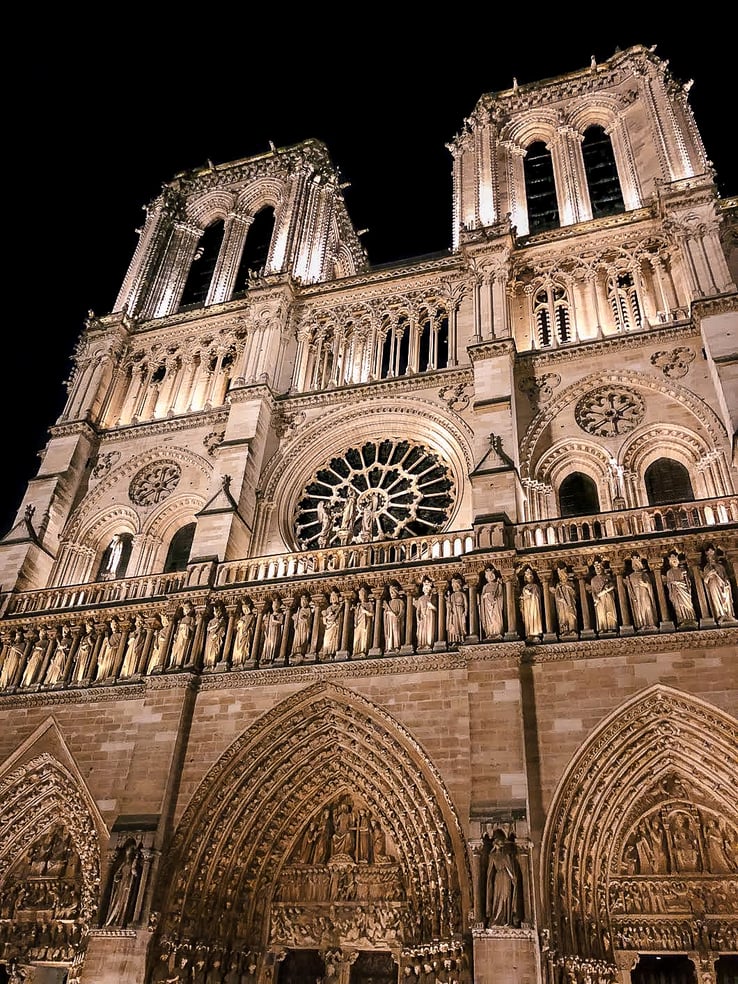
[(567, 456), (205, 209), (658, 440), (653, 793), (35, 799), (325, 749), (542, 421)]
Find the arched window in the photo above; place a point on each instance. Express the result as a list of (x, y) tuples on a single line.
[(578, 496), (667, 481), (201, 272), (179, 549), (623, 297), (552, 316), (602, 173), (396, 349), (540, 188), (256, 248), (114, 561)]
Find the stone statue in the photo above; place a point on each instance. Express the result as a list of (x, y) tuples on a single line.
[(245, 625), (302, 620), (491, 604), (325, 518), (36, 659), (60, 659), (85, 653), (125, 880), (272, 625), (183, 636), (565, 599), (363, 622), (394, 614), (457, 612), (530, 605), (112, 561), (504, 883), (425, 612), (679, 589), (214, 637), (602, 588), (108, 651), (134, 648), (331, 619), (717, 586), (640, 592)]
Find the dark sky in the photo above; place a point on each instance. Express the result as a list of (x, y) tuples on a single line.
[(98, 118)]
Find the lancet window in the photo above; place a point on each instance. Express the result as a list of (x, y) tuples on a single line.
[(255, 253), (201, 270), (625, 305), (552, 316), (601, 171), (540, 188), (667, 481)]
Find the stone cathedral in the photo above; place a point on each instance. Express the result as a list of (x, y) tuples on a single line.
[(378, 625)]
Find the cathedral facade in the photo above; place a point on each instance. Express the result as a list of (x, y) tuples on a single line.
[(380, 624)]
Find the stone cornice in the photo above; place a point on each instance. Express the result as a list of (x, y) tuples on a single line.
[(491, 348), (155, 428), (708, 306), (72, 427), (390, 276)]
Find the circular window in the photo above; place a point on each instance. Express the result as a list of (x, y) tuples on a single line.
[(383, 490), (609, 411), (154, 483)]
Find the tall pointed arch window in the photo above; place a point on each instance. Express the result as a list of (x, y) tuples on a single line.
[(540, 188), (256, 248), (552, 316), (624, 302), (179, 549), (667, 481), (396, 348), (578, 496), (200, 274), (433, 341), (601, 171)]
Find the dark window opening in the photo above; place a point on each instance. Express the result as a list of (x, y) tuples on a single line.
[(540, 188), (114, 562), (201, 271), (669, 969), (578, 496), (256, 248), (602, 173), (667, 481), (179, 549)]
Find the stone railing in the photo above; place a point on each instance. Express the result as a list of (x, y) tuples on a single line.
[(628, 524)]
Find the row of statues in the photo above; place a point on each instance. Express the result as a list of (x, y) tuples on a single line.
[(387, 619)]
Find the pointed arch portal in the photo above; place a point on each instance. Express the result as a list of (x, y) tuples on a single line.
[(324, 826), (641, 846)]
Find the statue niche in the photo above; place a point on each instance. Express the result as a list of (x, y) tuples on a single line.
[(341, 884)]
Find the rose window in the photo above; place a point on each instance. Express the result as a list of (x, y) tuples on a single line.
[(383, 490), (609, 411), (154, 483)]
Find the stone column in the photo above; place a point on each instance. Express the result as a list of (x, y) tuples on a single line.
[(376, 649), (626, 623), (410, 595), (548, 635), (286, 623), (441, 641), (343, 650), (511, 610), (587, 630), (472, 582)]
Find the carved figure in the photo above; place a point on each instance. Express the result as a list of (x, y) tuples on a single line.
[(530, 605), (157, 652), (348, 516), (85, 653), (640, 592), (183, 636), (717, 586), (302, 619), (214, 637), (363, 622), (602, 589), (245, 625), (331, 618), (134, 648), (13, 659), (325, 517), (114, 553), (425, 612), (272, 624), (108, 651), (491, 604), (565, 599), (36, 659), (457, 611), (679, 589), (124, 880), (394, 613), (60, 660), (504, 883)]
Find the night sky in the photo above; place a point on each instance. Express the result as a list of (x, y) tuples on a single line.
[(98, 118)]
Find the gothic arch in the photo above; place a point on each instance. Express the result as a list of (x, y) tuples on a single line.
[(538, 124), (261, 193), (538, 427), (207, 208), (245, 824), (598, 109), (662, 762), (645, 445), (315, 443)]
